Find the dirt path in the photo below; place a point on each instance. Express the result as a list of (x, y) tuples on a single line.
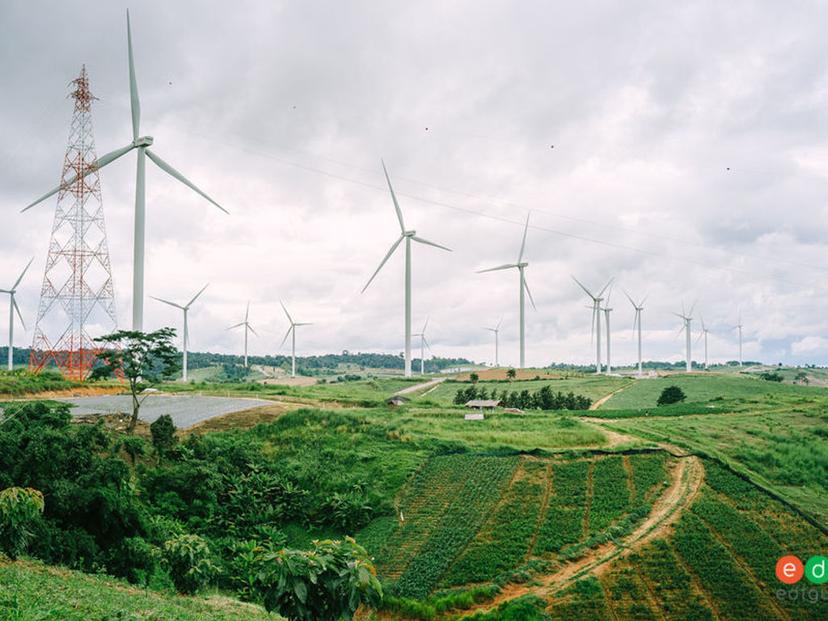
[(425, 385), (686, 480), (606, 398)]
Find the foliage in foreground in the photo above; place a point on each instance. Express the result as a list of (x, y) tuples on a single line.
[(20, 509)]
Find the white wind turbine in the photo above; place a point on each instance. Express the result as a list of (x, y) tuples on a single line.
[(14, 308), (186, 334), (521, 266), (637, 324), (141, 144), (739, 327), (703, 335), (687, 318), (607, 310), (596, 318), (496, 331), (408, 236), (247, 327), (423, 345), (292, 331)]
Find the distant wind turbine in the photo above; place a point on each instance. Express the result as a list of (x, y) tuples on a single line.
[(247, 326), (739, 327), (496, 331), (292, 332), (687, 317), (186, 333), (596, 318), (408, 236), (14, 308), (521, 266), (142, 144), (423, 345), (637, 324), (703, 335), (607, 310)]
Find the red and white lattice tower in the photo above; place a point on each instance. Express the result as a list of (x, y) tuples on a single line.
[(77, 300)]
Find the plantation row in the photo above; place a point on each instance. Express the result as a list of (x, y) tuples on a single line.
[(719, 563), (474, 519), (543, 399)]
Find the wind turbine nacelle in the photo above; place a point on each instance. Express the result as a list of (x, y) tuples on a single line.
[(409, 233), (143, 141), (522, 265)]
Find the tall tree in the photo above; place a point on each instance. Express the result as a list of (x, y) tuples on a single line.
[(142, 358)]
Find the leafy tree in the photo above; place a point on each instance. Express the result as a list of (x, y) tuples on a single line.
[(511, 374), (20, 509), (326, 583), (135, 447), (163, 434), (671, 394), (772, 376), (474, 377), (188, 560), (144, 359)]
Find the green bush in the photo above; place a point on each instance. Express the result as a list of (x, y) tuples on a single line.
[(163, 434), (671, 394), (20, 510), (187, 558)]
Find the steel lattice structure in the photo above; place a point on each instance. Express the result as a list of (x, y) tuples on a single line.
[(77, 299)]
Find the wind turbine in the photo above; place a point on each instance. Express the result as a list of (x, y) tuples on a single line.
[(14, 308), (186, 334), (423, 345), (291, 331), (739, 327), (247, 327), (496, 331), (637, 324), (607, 310), (596, 318), (703, 334), (408, 236), (687, 318), (142, 144), (521, 266)]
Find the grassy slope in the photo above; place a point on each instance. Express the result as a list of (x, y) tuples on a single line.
[(32, 591)]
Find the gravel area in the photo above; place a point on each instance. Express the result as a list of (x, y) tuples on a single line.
[(186, 410)]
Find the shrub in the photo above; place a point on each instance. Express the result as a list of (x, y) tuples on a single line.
[(188, 559), (671, 394), (20, 510), (163, 434), (771, 376)]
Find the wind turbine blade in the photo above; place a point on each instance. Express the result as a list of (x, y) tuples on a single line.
[(425, 325), (238, 325), (629, 297), (19, 315), (609, 282), (287, 334), (497, 327), (523, 243), (252, 330), (177, 175), (304, 323), (247, 312), (96, 165), (135, 104), (700, 336), (679, 315), (427, 344), (531, 299), (383, 262), (499, 267), (644, 299), (394, 198), (167, 302), (195, 297), (430, 243), (587, 291), (290, 319), (22, 274), (690, 314)]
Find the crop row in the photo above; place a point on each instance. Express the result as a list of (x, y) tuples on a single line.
[(584, 600), (483, 480), (610, 494), (626, 595), (564, 519), (733, 590), (649, 474), (504, 540)]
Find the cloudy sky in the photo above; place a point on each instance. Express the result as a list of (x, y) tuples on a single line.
[(682, 149)]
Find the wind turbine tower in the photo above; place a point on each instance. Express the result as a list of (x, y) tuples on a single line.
[(496, 331), (292, 332), (247, 326), (607, 310), (521, 266), (703, 335), (423, 345), (687, 318), (141, 144), (186, 333), (14, 308), (596, 318), (637, 325), (739, 327), (408, 236)]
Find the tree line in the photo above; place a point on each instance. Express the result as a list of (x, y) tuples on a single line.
[(543, 399)]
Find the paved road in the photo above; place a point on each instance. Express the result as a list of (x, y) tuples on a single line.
[(186, 410), (423, 386)]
